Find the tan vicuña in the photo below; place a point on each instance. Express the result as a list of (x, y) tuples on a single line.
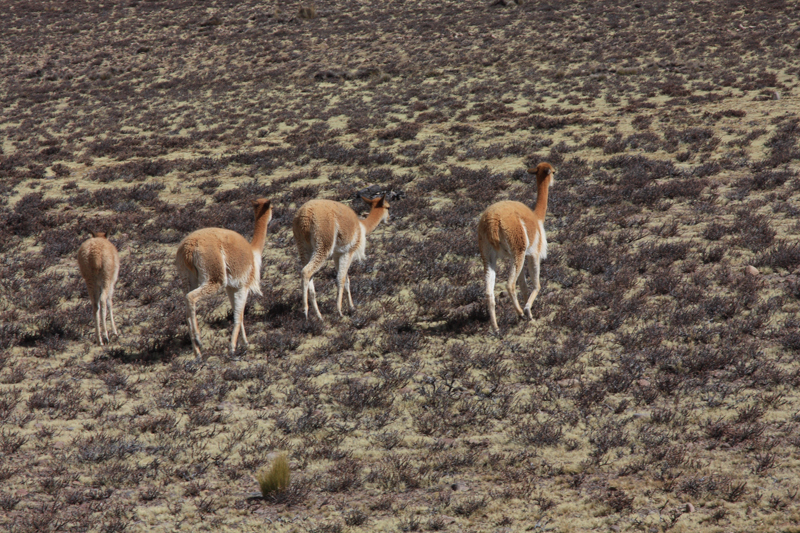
[(211, 259), (510, 229), (98, 261), (325, 229)]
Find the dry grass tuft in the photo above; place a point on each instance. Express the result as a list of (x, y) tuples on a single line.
[(307, 13), (276, 477)]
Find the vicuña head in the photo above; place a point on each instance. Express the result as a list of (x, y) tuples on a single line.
[(212, 259), (511, 230), (325, 229), (98, 261)]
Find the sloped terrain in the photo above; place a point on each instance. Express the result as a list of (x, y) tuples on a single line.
[(655, 389)]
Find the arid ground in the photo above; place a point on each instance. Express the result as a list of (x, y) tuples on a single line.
[(656, 388)]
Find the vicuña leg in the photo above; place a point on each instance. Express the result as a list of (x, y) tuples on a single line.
[(111, 313), (192, 298), (490, 272), (238, 299), (342, 265), (349, 296), (312, 291), (104, 307), (524, 283), (533, 272), (96, 312), (191, 284), (241, 321), (309, 270), (517, 264)]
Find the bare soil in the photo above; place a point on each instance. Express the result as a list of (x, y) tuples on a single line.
[(656, 388)]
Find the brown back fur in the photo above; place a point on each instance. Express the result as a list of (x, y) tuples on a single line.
[(324, 229), (98, 261), (316, 220), (199, 253), (502, 218), (221, 256), (500, 223)]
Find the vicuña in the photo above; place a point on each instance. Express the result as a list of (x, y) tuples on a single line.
[(511, 230), (211, 259), (325, 229), (98, 261)]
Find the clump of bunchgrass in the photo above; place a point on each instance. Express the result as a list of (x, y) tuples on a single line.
[(308, 13), (275, 478)]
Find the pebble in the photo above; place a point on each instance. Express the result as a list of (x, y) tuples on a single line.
[(751, 270), (689, 508)]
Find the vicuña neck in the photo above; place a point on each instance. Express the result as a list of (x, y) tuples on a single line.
[(260, 232), (372, 220), (541, 199)]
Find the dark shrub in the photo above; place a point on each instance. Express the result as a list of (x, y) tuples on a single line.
[(783, 254), (594, 258)]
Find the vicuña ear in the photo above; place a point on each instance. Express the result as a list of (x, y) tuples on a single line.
[(367, 200), (532, 170), (98, 234), (381, 201)]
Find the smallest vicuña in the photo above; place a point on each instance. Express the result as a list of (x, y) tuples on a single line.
[(98, 261)]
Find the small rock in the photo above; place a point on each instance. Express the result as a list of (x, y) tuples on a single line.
[(751, 270), (776, 95), (689, 508), (214, 20), (643, 383), (615, 528), (255, 496)]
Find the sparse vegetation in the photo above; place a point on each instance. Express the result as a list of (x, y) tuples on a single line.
[(654, 389)]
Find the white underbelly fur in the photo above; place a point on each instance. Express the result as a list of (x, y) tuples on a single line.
[(533, 248), (359, 242)]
